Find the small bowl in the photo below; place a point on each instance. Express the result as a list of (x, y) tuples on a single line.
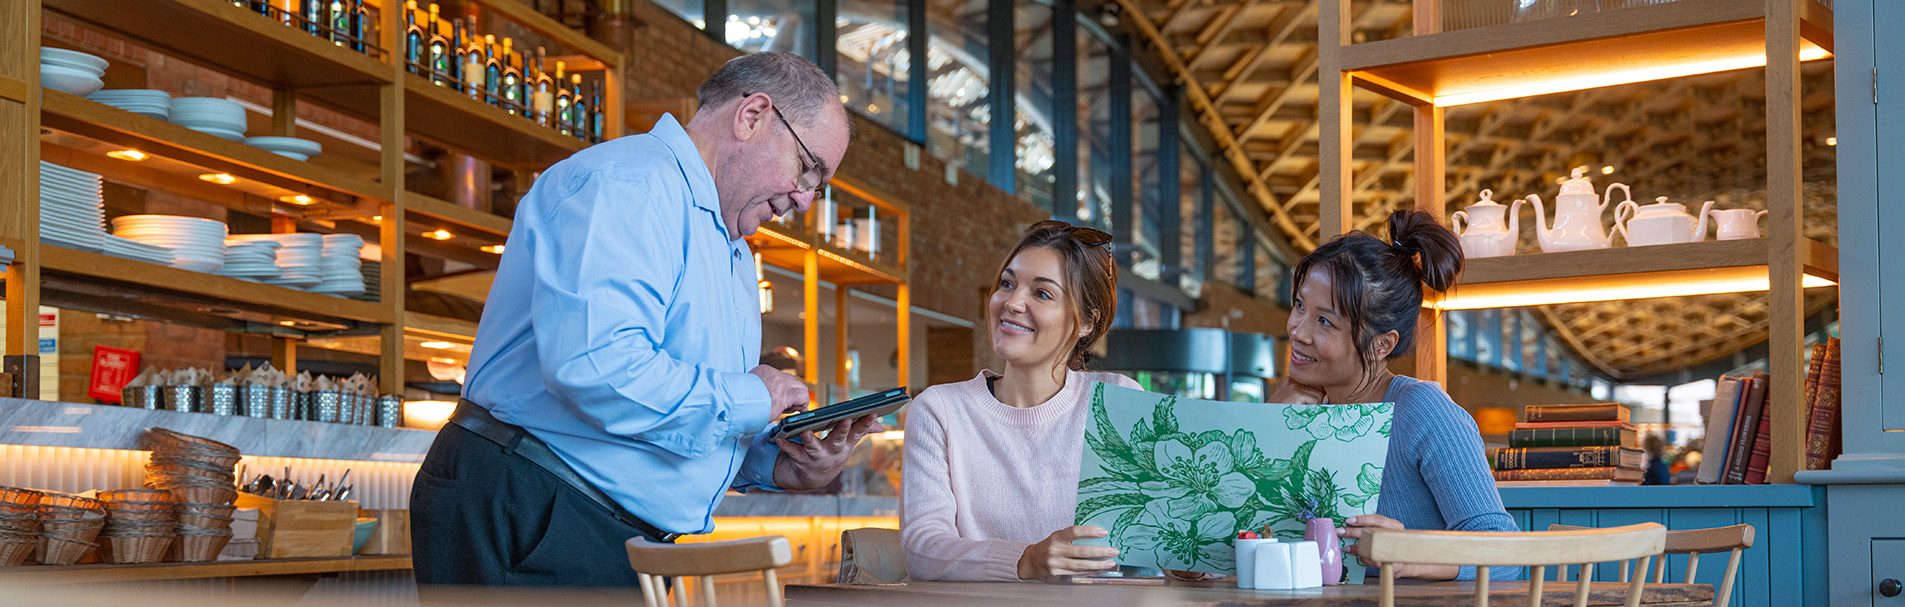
[(69, 80), (74, 58), (365, 526)]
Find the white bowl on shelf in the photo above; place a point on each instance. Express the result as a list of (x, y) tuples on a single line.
[(228, 134), (76, 59), (289, 147), (69, 80)]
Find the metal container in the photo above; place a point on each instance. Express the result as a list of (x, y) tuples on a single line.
[(254, 401), (326, 405), (184, 398), (141, 397), (221, 399), (281, 403), (346, 408), (301, 405), (390, 411), (367, 409)]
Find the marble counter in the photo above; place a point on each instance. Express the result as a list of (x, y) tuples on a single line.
[(55, 424), (768, 503)]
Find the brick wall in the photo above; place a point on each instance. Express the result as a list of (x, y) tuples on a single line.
[(1223, 305)]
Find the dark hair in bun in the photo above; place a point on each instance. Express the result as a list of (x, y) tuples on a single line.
[(1378, 284)]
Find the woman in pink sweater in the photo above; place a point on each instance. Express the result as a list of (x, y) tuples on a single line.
[(992, 462)]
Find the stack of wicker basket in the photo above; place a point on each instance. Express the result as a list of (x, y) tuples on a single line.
[(68, 526), (19, 524), (199, 472), (139, 525)]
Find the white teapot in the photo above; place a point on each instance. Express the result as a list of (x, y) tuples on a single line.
[(1734, 224), (1659, 223), (1488, 228), (1577, 216)]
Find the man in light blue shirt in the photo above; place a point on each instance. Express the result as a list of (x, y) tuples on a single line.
[(614, 389)]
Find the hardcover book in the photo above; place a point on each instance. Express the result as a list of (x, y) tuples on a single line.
[(1571, 474), (1726, 402), (1745, 428), (1577, 413), (1574, 437), (1568, 457)]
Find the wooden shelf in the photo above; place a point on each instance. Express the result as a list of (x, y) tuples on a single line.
[(92, 280), (87, 574), (439, 327), (1726, 266), (784, 248), (1592, 50), (515, 10), (13, 89), (115, 127), (451, 118), (459, 215)]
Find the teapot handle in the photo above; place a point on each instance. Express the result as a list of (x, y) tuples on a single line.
[(1459, 222), (1623, 212), (1607, 195), (1758, 215)]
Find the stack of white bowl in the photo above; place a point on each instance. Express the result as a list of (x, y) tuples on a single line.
[(343, 271), (298, 258), (210, 115), (253, 260), (71, 212), (288, 147), (157, 104), (71, 71), (127, 248), (197, 244)]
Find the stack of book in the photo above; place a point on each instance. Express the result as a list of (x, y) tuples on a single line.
[(1571, 445), (1739, 435)]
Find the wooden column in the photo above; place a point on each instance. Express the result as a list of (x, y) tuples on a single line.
[(903, 302), (840, 349), (390, 114), (1334, 108), (1431, 166), (19, 204), (284, 112), (1787, 318), (810, 307)]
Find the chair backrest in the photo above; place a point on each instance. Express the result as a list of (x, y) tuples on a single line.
[(1537, 549), (653, 561), (871, 555), (1693, 543)]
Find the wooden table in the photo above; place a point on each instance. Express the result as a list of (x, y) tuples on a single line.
[(1437, 594)]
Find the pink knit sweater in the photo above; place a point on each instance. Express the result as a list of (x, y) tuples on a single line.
[(984, 479)]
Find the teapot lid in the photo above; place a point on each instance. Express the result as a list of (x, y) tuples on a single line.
[(1488, 200), (1577, 184), (1660, 204)]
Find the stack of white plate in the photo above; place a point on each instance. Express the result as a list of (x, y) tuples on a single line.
[(157, 104), (71, 212), (71, 71), (343, 271), (298, 258), (212, 116), (126, 248), (197, 244), (253, 260), (288, 147)]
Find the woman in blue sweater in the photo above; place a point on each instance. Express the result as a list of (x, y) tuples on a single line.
[(1356, 303)]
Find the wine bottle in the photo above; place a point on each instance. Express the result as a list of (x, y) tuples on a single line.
[(473, 63), (362, 26), (339, 22), (492, 72), (578, 124), (512, 85), (413, 38), (456, 55), (544, 89), (564, 101), (596, 121), (312, 11), (439, 50)]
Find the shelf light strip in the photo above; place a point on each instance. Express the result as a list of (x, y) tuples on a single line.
[(1745, 279), (1576, 83)]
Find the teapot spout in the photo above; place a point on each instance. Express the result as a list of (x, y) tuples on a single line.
[(1700, 229), (1514, 220), (1541, 221)]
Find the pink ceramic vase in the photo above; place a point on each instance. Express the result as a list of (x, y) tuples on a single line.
[(1323, 532)]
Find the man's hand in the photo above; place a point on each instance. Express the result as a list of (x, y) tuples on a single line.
[(788, 393), (814, 462)]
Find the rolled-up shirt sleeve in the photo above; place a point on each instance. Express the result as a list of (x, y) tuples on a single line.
[(608, 259)]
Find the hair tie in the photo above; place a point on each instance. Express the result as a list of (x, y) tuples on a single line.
[(1408, 250)]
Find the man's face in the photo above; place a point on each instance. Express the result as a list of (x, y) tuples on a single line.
[(767, 181)]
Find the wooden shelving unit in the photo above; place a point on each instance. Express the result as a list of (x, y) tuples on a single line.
[(1432, 69), (102, 275), (93, 574)]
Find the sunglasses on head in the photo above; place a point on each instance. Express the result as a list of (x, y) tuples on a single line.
[(1085, 235)]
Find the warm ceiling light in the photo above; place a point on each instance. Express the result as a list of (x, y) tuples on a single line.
[(1832, 141), (439, 359), (219, 178), (288, 323), (377, 219), (1741, 279), (133, 155), (438, 235), (297, 199), (492, 248), (1606, 79), (437, 345), (1607, 170)]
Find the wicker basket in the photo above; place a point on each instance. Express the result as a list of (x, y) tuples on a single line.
[(168, 469), (118, 496), (20, 524), (197, 548), (142, 518), (129, 550), (67, 513), (207, 495), (62, 500), (224, 510), (161, 439), (204, 521), (55, 550), (84, 534), (204, 462), (22, 497), (15, 549)]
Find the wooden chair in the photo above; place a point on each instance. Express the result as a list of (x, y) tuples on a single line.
[(871, 555), (1693, 543), (1537, 549), (653, 561)]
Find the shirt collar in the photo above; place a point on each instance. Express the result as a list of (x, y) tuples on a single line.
[(700, 180)]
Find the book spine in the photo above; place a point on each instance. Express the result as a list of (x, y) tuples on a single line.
[(1762, 450), (1565, 437), (1568, 474), (1553, 457), (1726, 400), (1825, 415), (1745, 428), (1576, 413)]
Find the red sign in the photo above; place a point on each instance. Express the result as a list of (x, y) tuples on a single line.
[(112, 369)]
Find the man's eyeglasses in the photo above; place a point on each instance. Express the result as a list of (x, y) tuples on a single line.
[(809, 178), (1088, 236)]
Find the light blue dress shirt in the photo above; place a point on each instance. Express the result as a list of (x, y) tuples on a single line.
[(621, 328)]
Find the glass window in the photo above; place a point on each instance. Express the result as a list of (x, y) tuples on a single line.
[(1269, 272), (1145, 186), (688, 10), (1190, 203), (958, 82), (1032, 123), (772, 25), (1225, 264), (872, 66), (1094, 130)]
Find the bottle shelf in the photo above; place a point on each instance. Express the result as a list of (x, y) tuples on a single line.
[(452, 118), (1592, 50)]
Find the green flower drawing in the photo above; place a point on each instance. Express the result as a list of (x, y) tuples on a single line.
[(1179, 543), (1198, 482), (1345, 423)]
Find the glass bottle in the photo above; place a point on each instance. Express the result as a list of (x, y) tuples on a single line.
[(543, 94), (492, 71), (413, 38), (312, 11), (439, 64), (512, 84), (339, 22), (564, 102), (578, 110), (595, 121), (362, 25), (473, 61), (455, 56)]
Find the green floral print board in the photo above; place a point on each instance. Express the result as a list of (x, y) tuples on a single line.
[(1175, 479)]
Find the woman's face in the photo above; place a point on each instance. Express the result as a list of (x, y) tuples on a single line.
[(1322, 347), (1030, 311)]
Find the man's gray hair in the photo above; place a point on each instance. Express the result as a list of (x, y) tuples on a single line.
[(798, 87)]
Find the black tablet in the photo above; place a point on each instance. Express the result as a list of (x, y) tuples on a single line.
[(877, 404)]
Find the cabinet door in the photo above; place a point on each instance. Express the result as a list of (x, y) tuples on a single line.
[(1889, 58), (1888, 563)]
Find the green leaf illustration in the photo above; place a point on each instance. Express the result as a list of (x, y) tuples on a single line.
[(1091, 508), (1164, 417), (1385, 429), (1369, 480)]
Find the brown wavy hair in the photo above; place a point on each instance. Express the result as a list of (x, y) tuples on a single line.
[(1090, 275)]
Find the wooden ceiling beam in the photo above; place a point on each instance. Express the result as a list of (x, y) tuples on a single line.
[(1279, 32), (1302, 73)]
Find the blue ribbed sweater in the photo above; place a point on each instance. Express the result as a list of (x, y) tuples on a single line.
[(1436, 475)]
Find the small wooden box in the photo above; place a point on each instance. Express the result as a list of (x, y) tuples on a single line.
[(393, 532), (294, 528)]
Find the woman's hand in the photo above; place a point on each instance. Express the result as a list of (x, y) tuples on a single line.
[(1292, 393), (1055, 555), (1355, 528)]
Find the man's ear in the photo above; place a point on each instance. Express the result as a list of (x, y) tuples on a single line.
[(752, 116)]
